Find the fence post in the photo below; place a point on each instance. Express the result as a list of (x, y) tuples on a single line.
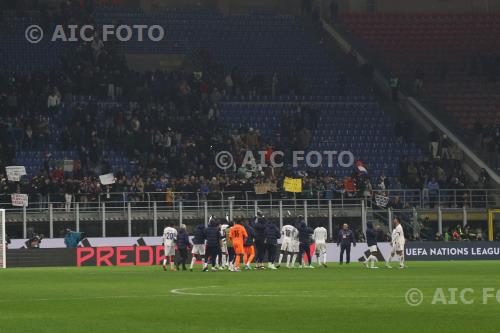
[(255, 208), (206, 213), (155, 219), (389, 217), (330, 219), (363, 216), (415, 218), (51, 221), (129, 219), (103, 219), (440, 220), (77, 216), (294, 203), (24, 223), (246, 203), (231, 206), (222, 201), (180, 212), (305, 211), (464, 208), (281, 214), (271, 204)]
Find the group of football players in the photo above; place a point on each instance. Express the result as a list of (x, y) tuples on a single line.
[(225, 244)]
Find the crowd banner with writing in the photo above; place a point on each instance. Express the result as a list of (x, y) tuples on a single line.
[(262, 188), (19, 200), (68, 165), (14, 172), (107, 179), (293, 185)]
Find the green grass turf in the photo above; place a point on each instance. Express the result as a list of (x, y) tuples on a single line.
[(336, 299)]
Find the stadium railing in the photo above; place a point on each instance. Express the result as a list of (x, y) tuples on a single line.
[(447, 198), (424, 215)]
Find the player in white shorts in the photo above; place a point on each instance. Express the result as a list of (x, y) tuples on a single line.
[(198, 251), (397, 243), (319, 236), (371, 241), (295, 249), (169, 239), (288, 233), (223, 247)]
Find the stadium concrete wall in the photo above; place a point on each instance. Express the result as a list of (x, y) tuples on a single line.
[(418, 6)]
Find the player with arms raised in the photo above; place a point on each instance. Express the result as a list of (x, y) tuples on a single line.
[(319, 236), (169, 239), (397, 243)]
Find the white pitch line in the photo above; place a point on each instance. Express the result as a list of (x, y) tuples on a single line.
[(185, 292), (77, 298)]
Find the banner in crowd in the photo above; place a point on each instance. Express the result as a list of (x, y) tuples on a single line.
[(19, 200), (15, 172), (107, 179), (68, 165), (264, 188), (381, 200), (293, 185)]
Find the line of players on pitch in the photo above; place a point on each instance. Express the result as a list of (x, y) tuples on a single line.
[(225, 245)]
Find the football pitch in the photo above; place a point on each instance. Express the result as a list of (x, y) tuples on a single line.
[(335, 299)]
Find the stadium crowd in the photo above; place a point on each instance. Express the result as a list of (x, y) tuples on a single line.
[(169, 128)]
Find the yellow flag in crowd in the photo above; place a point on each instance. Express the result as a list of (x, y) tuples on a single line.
[(293, 185)]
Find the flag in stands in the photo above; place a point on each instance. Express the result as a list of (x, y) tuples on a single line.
[(361, 167)]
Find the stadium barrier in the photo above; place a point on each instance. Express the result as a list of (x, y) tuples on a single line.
[(477, 198), (148, 255)]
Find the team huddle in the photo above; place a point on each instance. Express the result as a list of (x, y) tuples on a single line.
[(227, 245)]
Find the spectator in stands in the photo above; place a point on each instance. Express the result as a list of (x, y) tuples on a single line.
[(445, 147), (433, 190), (54, 100), (394, 85), (68, 194), (433, 139), (418, 83)]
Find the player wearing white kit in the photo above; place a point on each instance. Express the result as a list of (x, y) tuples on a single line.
[(224, 264), (288, 233), (397, 243), (169, 239), (319, 236), (295, 248)]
